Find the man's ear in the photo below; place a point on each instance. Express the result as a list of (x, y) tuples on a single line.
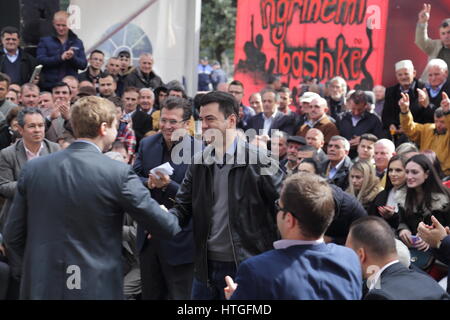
[(361, 255), (102, 129)]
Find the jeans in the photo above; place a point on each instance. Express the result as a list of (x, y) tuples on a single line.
[(213, 290)]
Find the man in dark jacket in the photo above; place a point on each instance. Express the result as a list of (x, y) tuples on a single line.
[(359, 121), (387, 279), (15, 62), (337, 168), (229, 193), (61, 54), (143, 76), (407, 83)]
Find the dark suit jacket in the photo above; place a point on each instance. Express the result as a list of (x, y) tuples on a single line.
[(443, 254), (391, 109), (301, 272), (66, 224), (280, 122), (341, 177), (180, 249), (401, 283)]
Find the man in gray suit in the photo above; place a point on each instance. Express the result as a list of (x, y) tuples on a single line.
[(66, 218), (12, 159)]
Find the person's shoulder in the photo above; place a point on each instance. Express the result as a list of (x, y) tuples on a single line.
[(53, 147), (151, 140)]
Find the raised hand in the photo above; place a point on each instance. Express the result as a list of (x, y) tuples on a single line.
[(424, 101), (404, 102), (230, 288), (424, 14), (445, 102)]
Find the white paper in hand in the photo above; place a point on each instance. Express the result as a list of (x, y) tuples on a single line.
[(165, 168)]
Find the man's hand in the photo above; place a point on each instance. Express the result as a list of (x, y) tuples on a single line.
[(230, 288), (432, 234), (153, 182), (355, 141), (424, 101), (445, 102), (67, 55), (424, 15), (64, 108), (403, 103), (2, 250)]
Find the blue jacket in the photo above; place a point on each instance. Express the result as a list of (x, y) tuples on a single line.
[(49, 53), (180, 249), (301, 272)]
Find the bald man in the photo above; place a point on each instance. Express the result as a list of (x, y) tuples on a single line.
[(61, 54), (315, 138)]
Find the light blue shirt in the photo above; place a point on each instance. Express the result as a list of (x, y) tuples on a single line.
[(283, 244), (268, 122), (12, 58), (435, 92)]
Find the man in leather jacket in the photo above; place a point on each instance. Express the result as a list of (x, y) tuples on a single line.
[(229, 191)]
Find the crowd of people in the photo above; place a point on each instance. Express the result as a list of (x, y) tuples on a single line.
[(116, 184)]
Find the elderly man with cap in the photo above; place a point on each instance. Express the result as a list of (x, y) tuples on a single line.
[(294, 145), (407, 83)]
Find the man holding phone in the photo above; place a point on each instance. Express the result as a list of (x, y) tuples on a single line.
[(61, 54)]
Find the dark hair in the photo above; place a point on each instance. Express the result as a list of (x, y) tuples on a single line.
[(25, 111), (228, 104), (439, 112), (172, 103), (117, 101), (104, 75), (131, 89), (445, 23), (309, 198), (236, 83), (13, 113), (375, 235), (432, 184), (359, 97), (10, 30), (315, 163), (97, 51), (368, 137), (61, 84), (397, 157), (5, 77), (124, 53), (436, 164)]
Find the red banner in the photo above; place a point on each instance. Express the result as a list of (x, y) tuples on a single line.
[(317, 38)]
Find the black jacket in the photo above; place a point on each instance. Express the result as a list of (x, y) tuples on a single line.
[(400, 283), (136, 79), (142, 123), (27, 65), (347, 209), (340, 179), (391, 109), (380, 201), (252, 191), (369, 123)]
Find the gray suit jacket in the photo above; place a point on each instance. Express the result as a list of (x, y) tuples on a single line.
[(66, 224), (12, 160)]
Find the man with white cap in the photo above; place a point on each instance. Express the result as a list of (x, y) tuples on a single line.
[(407, 83)]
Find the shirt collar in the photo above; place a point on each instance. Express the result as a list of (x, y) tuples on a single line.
[(338, 165), (91, 143), (283, 244), (373, 281), (13, 55), (30, 154), (271, 117)]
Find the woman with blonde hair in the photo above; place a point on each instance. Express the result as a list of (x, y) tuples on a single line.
[(363, 183)]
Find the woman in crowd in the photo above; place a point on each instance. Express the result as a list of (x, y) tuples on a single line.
[(425, 196), (9, 132), (363, 183), (385, 203)]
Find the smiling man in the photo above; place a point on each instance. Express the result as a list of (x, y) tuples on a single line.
[(144, 76), (12, 159)]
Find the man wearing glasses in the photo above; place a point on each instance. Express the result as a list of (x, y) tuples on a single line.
[(166, 266), (301, 266), (236, 89)]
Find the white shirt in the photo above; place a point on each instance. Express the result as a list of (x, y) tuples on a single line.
[(268, 122), (12, 58), (372, 282), (283, 244)]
